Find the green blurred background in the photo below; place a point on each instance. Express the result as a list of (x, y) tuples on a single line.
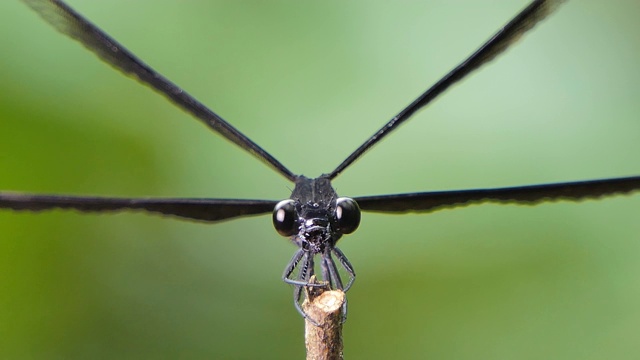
[(309, 81)]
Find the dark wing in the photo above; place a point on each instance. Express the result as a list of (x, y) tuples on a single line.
[(72, 24), (210, 210), (526, 195), (523, 22)]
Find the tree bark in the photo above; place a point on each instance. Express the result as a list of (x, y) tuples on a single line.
[(324, 340)]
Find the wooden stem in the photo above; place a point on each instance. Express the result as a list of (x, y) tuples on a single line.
[(323, 341)]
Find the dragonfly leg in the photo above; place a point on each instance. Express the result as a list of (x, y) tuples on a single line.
[(326, 271), (306, 271), (291, 266), (347, 266), (334, 275)]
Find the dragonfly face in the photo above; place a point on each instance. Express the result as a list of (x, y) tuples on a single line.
[(316, 226), (315, 217)]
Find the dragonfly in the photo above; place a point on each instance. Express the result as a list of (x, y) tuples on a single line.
[(314, 216)]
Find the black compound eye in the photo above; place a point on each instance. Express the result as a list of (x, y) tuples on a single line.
[(347, 215), (285, 218)]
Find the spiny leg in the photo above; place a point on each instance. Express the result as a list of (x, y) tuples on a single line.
[(334, 275), (306, 262), (306, 271), (303, 278), (326, 270), (347, 266), (291, 266), (300, 280)]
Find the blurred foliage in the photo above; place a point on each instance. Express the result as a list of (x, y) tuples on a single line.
[(309, 81)]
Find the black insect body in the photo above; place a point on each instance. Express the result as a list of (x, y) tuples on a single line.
[(314, 217)]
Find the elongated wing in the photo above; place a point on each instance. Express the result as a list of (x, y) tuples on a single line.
[(209, 210), (72, 24), (525, 195), (520, 24)]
